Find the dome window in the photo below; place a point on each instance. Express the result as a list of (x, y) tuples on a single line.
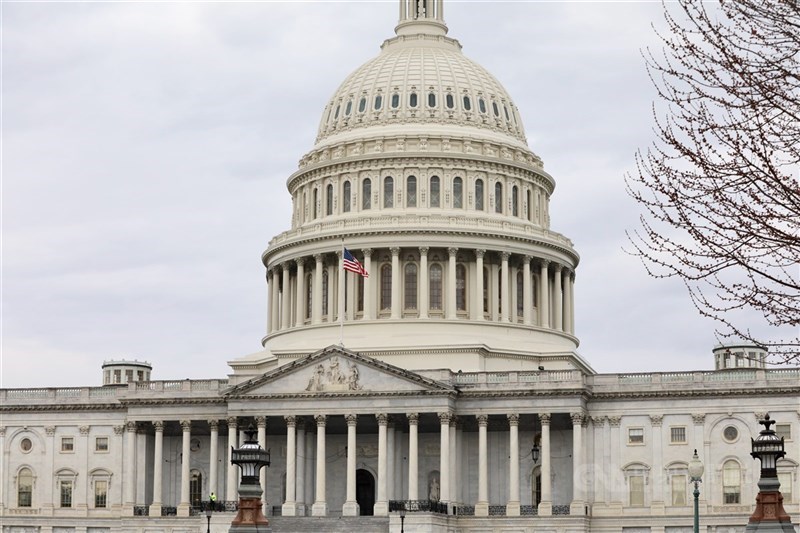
[(508, 118), (449, 101), (431, 99), (346, 197), (395, 101), (388, 192), (479, 195), (467, 103), (329, 199), (458, 193), (495, 109), (515, 201), (378, 102), (498, 197), (411, 191), (435, 191), (412, 100), (366, 194), (348, 108), (336, 114), (482, 105), (362, 104)]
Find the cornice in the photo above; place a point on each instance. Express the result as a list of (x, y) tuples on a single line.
[(46, 407), (453, 394), (692, 393)]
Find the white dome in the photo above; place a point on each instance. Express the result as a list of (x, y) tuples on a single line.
[(421, 79)]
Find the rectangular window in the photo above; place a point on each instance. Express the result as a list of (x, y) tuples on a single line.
[(785, 479), (100, 494), (635, 436), (101, 444), (67, 444), (128, 376), (783, 430), (636, 484), (677, 435), (679, 484), (66, 493)]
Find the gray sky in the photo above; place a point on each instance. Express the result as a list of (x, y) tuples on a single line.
[(146, 148)]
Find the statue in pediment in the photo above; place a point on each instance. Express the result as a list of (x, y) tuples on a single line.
[(333, 378)]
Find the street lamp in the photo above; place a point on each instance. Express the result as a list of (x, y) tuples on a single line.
[(535, 452), (695, 473), (209, 510), (250, 458), (769, 514), (402, 517)]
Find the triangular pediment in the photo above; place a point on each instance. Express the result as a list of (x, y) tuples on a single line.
[(336, 370)]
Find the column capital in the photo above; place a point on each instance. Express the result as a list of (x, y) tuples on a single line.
[(2, 431), (318, 258), (444, 418), (505, 255), (186, 425), (656, 420), (351, 419), (130, 427), (698, 418), (261, 421), (395, 251), (300, 261), (423, 250), (452, 251), (118, 430), (158, 425), (413, 418), (544, 263), (367, 252), (382, 418), (84, 430), (577, 418), (544, 418), (212, 424), (232, 422), (291, 421), (599, 420), (557, 267), (321, 420), (483, 420), (479, 253), (614, 421), (513, 419), (527, 259), (287, 265)]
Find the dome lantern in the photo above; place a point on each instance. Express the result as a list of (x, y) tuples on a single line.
[(421, 16)]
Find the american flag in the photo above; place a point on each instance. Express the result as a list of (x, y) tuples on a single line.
[(352, 264)]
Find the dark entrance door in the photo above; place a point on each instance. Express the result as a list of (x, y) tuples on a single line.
[(365, 492)]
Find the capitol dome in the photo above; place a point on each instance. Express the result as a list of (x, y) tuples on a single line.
[(421, 170)]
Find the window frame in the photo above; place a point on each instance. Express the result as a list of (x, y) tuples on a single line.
[(634, 438), (672, 434), (726, 482), (67, 445)]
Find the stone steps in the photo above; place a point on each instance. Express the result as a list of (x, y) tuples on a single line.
[(344, 524)]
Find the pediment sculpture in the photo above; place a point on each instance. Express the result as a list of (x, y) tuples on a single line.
[(333, 377)]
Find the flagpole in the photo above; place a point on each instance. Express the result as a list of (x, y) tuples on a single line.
[(343, 273)]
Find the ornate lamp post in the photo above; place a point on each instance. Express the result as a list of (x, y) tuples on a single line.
[(209, 510), (535, 452), (695, 473), (769, 514), (251, 457), (402, 518)]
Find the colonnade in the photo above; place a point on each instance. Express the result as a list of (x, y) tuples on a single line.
[(423, 282)]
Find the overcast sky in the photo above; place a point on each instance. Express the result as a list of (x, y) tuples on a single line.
[(146, 148)]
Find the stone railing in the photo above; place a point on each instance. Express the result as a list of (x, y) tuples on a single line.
[(696, 380), (418, 506), (516, 379)]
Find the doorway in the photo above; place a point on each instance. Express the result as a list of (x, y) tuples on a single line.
[(365, 492)]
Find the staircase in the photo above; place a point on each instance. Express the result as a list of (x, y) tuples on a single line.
[(315, 524)]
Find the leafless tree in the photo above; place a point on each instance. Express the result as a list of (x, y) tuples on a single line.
[(719, 185)]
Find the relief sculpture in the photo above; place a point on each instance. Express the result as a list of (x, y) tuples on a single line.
[(334, 378)]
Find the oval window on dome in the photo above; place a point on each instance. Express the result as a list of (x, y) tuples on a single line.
[(508, 118), (348, 108), (482, 105), (467, 104), (495, 109), (449, 102), (336, 114), (412, 100), (362, 104), (378, 102), (431, 100), (395, 101)]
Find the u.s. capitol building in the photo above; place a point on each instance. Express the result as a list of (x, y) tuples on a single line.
[(447, 379)]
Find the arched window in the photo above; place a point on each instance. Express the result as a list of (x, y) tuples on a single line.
[(636, 477), (536, 486), (461, 287), (479, 195), (315, 197), (485, 290), (467, 103), (449, 101), (431, 99), (366, 194), (378, 102), (458, 193), (25, 488), (482, 105), (412, 100), (309, 291), (435, 287), (346, 197), (336, 114), (508, 118), (411, 191), (329, 200), (360, 294), (303, 207), (388, 192), (495, 109), (362, 104), (196, 487), (348, 108), (435, 191), (528, 204), (410, 291), (498, 197), (515, 201), (731, 482), (520, 295), (395, 101), (386, 287), (324, 291)]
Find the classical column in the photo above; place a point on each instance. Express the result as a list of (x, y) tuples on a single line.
[(289, 507), (316, 295), (231, 487), (300, 461), (3, 468), (395, 281), (614, 477), (505, 294), (369, 304), (527, 293), (351, 507), (381, 502), (213, 458), (482, 505), (331, 293), (544, 292), (546, 505), (413, 458), (341, 285), (261, 424), (578, 506), (320, 507), (390, 457), (494, 305), (477, 307), (422, 277), (185, 505), (444, 456), (350, 285), (558, 300), (271, 300), (572, 303), (513, 505), (451, 282), (600, 460), (286, 298), (657, 505), (300, 307), (397, 491), (130, 465), (158, 462), (453, 457), (566, 274)]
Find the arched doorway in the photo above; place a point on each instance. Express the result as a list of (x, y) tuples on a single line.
[(536, 486), (365, 492)]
